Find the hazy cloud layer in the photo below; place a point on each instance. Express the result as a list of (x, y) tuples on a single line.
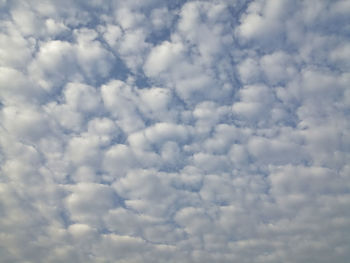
[(174, 131)]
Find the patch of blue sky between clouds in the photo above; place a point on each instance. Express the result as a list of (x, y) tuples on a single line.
[(174, 131)]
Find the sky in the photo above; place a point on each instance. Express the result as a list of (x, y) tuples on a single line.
[(152, 131)]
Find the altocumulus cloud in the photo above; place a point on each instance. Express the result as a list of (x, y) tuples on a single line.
[(174, 131)]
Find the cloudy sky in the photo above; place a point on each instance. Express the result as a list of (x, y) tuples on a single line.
[(155, 131)]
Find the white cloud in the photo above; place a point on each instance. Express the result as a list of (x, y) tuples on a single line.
[(30, 124), (16, 51), (254, 104), (81, 97), (87, 202), (162, 57), (264, 21), (112, 34), (174, 131), (16, 87)]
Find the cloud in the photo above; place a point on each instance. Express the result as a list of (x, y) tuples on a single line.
[(162, 57), (174, 131)]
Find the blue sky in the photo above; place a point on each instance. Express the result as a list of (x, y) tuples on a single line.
[(174, 131)]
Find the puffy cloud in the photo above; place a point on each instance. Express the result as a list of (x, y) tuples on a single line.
[(16, 50), (162, 57), (255, 103), (54, 64), (16, 87), (81, 97), (264, 21), (174, 131), (30, 124), (88, 201), (117, 96)]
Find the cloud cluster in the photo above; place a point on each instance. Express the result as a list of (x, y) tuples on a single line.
[(174, 131)]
